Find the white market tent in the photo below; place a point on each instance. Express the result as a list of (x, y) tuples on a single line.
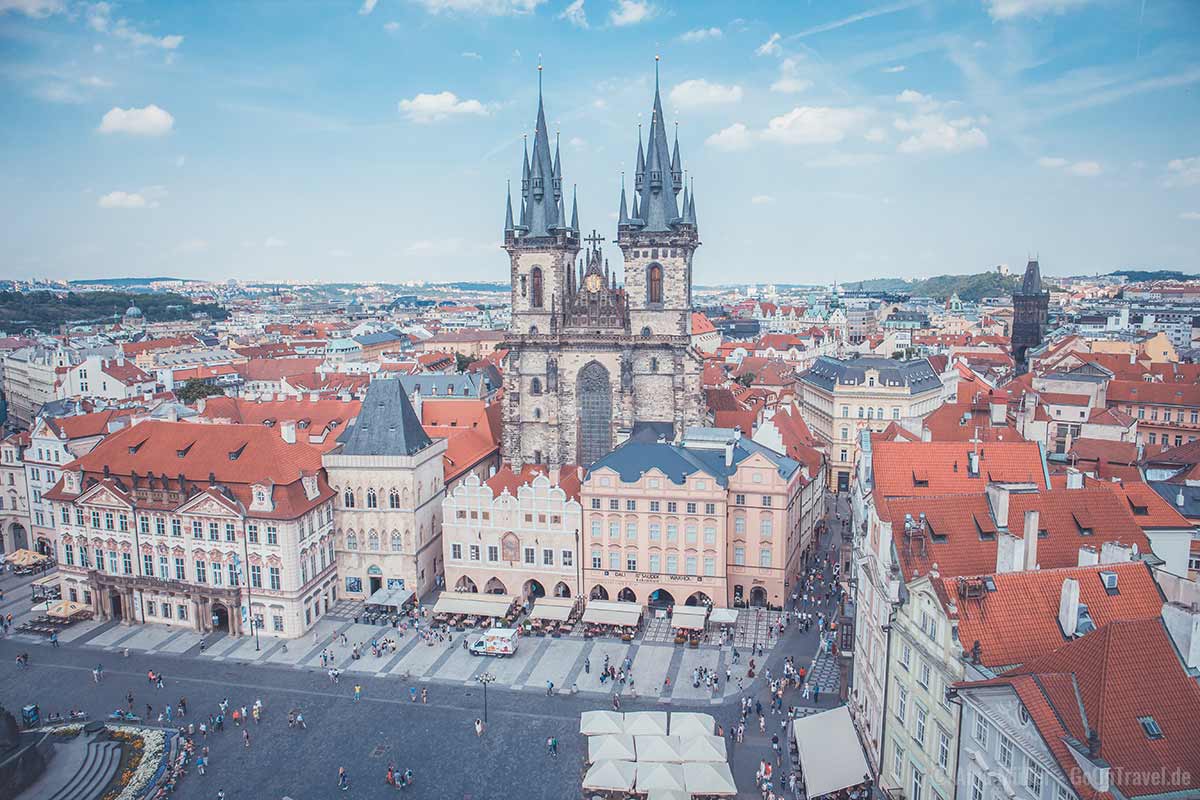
[(659, 776), (657, 749), (610, 612), (611, 747), (610, 775), (691, 617), (831, 756), (692, 723), (557, 609), (702, 748), (668, 794), (723, 616), (595, 723), (391, 598), (479, 605), (646, 723), (709, 779)]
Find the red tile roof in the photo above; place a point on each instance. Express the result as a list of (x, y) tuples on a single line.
[(506, 479), (1150, 511), (1162, 394), (946, 424), (942, 467), (165, 343), (471, 429), (83, 426), (701, 324), (1117, 675), (1019, 620), (127, 373), (1064, 399), (274, 369), (318, 422)]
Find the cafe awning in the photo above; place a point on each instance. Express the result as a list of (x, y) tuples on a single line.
[(714, 779), (609, 612), (831, 756), (24, 558), (594, 723), (658, 748), (658, 776), (390, 598), (702, 748), (556, 609), (66, 609), (616, 776), (646, 723), (691, 617), (692, 723), (611, 747), (479, 605), (723, 616)]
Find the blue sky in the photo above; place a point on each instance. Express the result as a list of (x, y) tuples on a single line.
[(372, 140)]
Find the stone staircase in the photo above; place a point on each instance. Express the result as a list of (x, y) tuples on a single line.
[(100, 764)]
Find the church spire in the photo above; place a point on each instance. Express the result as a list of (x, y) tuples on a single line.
[(676, 169), (542, 179), (639, 174), (575, 209), (658, 183), (508, 217), (623, 216)]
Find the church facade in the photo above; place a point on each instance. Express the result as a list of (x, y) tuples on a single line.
[(591, 362)]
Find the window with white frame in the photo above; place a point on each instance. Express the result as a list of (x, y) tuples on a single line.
[(1034, 775), (1006, 752), (980, 730), (943, 752), (901, 702), (897, 761)]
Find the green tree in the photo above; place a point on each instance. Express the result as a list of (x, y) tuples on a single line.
[(461, 362), (195, 389)]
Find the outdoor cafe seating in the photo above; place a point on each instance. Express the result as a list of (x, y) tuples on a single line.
[(612, 618)]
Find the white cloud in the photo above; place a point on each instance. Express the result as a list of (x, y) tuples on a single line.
[(148, 121), (471, 54), (1183, 172), (894, 69), (929, 132), (701, 34), (425, 108), (273, 242), (493, 8), (1010, 9), (1085, 169), (120, 199), (814, 125), (575, 14), (33, 8), (1051, 163), (762, 200), (770, 47), (367, 7), (913, 97), (790, 81), (391, 27), (1191, 216), (735, 137), (699, 93), (99, 19), (837, 160), (631, 12), (876, 135)]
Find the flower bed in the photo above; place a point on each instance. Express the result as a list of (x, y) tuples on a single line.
[(143, 755)]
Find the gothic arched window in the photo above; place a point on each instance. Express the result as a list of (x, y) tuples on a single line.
[(372, 499), (646, 332), (594, 393), (535, 287), (396, 542), (654, 284), (393, 499), (348, 499), (535, 386), (373, 540)]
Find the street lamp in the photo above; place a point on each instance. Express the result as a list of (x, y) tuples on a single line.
[(485, 679)]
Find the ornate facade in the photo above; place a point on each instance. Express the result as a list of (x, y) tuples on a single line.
[(590, 361)]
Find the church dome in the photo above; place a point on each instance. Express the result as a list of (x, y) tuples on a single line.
[(133, 311)]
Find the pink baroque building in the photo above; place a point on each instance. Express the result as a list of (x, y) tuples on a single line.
[(715, 519)]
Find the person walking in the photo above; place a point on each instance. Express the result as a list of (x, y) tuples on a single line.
[(424, 696), (587, 666), (357, 692), (246, 737), (478, 727), (412, 694), (552, 746), (343, 779)]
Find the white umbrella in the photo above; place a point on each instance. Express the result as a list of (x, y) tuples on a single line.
[(607, 747), (593, 723), (658, 748), (692, 723), (705, 778), (610, 775), (646, 723), (668, 794), (659, 776), (702, 748)]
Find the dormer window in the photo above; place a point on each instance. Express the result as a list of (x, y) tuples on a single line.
[(1150, 727)]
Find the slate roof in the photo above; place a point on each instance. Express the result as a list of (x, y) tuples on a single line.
[(466, 384), (634, 458), (387, 424), (827, 372)]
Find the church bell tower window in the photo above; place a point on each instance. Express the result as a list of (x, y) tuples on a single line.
[(654, 284), (535, 281)]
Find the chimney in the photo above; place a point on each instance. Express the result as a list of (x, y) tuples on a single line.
[(553, 474), (1074, 479), (1007, 552), (1031, 539), (999, 411), (200, 404), (1115, 553), (1068, 607), (926, 435), (997, 498), (287, 430), (1179, 498), (973, 464), (172, 412), (1183, 623), (729, 453), (1087, 556)]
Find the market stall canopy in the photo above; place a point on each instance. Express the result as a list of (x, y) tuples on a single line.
[(692, 723), (690, 617), (831, 756), (66, 609), (610, 612), (658, 749), (723, 616), (701, 748), (646, 723), (556, 609), (614, 776), (713, 779), (611, 747), (668, 794), (25, 558), (390, 598), (595, 723), (480, 605), (46, 580), (659, 776)]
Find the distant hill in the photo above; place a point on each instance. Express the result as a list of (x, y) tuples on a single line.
[(1134, 275), (969, 288), (477, 286), (46, 311), (122, 281)]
